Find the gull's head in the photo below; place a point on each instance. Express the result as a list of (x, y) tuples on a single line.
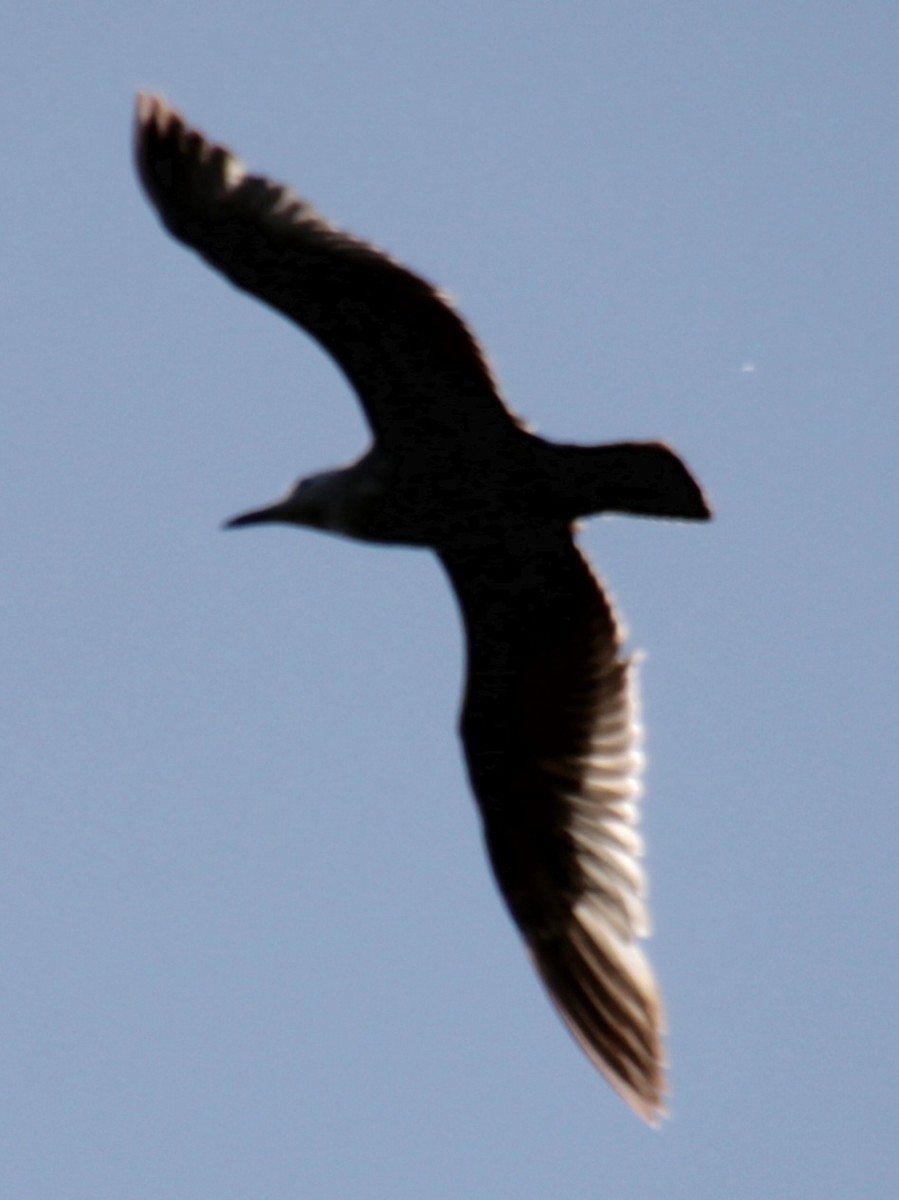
[(313, 502)]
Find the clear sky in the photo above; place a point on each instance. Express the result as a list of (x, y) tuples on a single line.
[(250, 944)]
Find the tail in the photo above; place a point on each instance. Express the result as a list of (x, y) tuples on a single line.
[(644, 479)]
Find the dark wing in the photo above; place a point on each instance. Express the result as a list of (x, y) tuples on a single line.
[(418, 370), (551, 730)]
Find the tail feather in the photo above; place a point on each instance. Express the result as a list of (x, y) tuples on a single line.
[(645, 479)]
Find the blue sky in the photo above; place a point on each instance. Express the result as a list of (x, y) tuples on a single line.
[(251, 945)]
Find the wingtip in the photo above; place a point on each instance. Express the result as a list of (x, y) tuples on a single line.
[(155, 118), (646, 1095), (607, 995), (150, 108), (143, 101), (649, 1104), (655, 1114)]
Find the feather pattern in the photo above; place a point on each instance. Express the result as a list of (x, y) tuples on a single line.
[(552, 738)]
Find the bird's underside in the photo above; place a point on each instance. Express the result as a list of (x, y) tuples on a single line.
[(550, 724)]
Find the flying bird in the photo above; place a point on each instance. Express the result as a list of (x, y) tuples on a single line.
[(550, 723)]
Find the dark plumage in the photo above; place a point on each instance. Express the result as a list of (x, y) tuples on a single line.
[(549, 721)]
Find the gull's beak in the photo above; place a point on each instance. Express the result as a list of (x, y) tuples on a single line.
[(258, 516)]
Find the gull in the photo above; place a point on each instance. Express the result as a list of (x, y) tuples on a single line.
[(550, 721)]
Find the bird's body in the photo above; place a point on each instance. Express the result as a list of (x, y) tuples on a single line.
[(549, 721)]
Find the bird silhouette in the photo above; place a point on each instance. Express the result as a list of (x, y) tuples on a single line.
[(550, 722)]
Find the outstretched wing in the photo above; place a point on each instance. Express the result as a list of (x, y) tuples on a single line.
[(418, 370), (552, 738)]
